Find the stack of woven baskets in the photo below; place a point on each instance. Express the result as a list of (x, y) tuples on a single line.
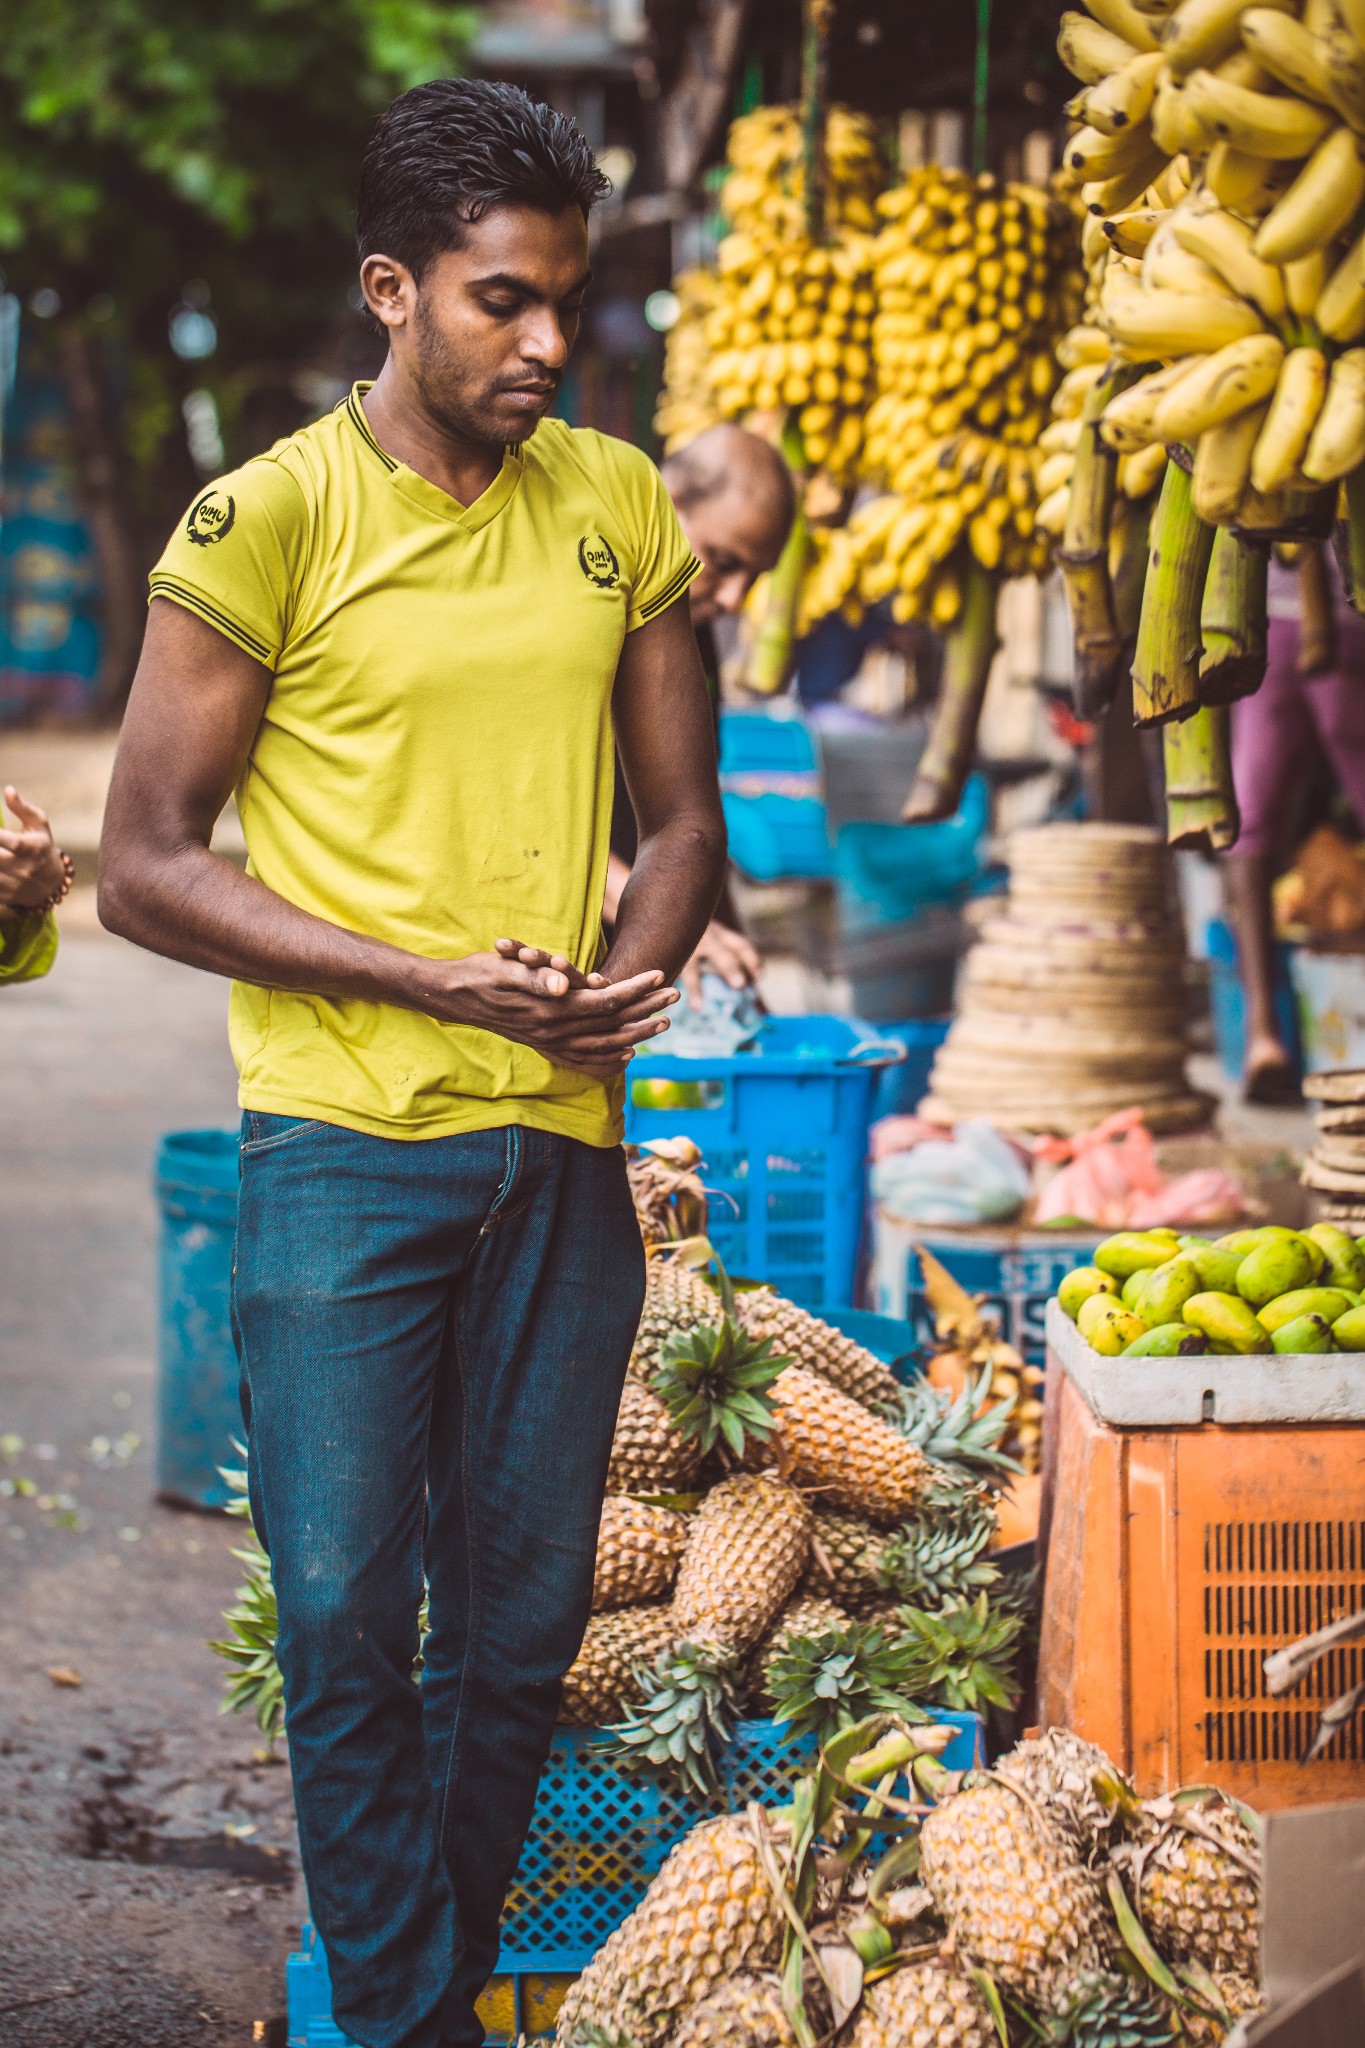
[(1335, 1168), (1073, 1003)]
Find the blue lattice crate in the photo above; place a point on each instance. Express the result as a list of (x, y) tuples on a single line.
[(1017, 1271), (783, 1130), (597, 1838)]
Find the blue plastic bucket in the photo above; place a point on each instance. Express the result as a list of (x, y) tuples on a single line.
[(198, 1410)]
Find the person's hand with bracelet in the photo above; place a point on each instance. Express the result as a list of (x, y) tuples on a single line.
[(34, 872)]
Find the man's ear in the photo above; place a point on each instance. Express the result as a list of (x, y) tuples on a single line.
[(390, 289)]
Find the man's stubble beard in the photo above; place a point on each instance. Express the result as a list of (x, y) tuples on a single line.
[(439, 375)]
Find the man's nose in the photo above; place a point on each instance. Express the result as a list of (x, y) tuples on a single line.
[(732, 590), (543, 339)]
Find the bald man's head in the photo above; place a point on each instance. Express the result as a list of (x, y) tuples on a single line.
[(735, 500)]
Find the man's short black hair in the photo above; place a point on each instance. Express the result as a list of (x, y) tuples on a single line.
[(444, 154)]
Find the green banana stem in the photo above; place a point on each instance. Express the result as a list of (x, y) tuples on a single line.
[(1166, 663), (1083, 556), (969, 649), (1233, 620), (1350, 540), (818, 20), (1128, 569), (772, 651), (1201, 808)]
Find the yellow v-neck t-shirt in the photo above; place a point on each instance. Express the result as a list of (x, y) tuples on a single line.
[(434, 766)]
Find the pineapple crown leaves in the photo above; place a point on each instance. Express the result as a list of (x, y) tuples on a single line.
[(689, 1704), (713, 1380), (928, 1561), (964, 1655), (828, 1681), (1105, 2011), (959, 1431)]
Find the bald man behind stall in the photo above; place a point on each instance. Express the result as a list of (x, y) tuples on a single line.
[(735, 501)]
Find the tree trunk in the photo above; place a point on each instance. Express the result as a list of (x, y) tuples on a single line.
[(696, 107), (100, 484)]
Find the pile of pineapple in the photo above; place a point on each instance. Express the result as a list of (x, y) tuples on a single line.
[(787, 1528), (1039, 1901)]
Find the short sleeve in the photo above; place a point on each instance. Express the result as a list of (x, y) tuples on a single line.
[(236, 557), (664, 563), (28, 947)]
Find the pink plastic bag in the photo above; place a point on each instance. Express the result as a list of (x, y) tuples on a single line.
[(1112, 1178)]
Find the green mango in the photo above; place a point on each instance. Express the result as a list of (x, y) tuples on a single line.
[(1276, 1268), (1327, 1302), (1245, 1241), (1132, 1286), (1345, 1260), (1162, 1230), (1167, 1340), (1113, 1328), (1348, 1331), (1164, 1290), (1216, 1269), (1226, 1319), (1304, 1333), (1078, 1286), (1319, 1256), (1128, 1251)]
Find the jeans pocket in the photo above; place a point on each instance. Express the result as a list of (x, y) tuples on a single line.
[(263, 1131)]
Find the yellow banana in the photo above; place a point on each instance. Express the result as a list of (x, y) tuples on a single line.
[(1255, 121), (1094, 241), (1092, 154), (1168, 267), (1345, 74), (1303, 282), (1170, 185), (1340, 307), (1172, 130), (1337, 443), (1141, 472), (1222, 465), (1294, 409), (1145, 324), (1060, 436), (1124, 98), (1352, 13), (1070, 394), (1224, 243), (1228, 381), (1202, 32), (1321, 201), (1130, 233), (1090, 52), (1056, 470), (1123, 19), (1051, 514), (1083, 345), (1117, 194), (1127, 422), (1288, 50), (1243, 182)]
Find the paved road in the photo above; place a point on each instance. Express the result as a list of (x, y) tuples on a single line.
[(105, 1945)]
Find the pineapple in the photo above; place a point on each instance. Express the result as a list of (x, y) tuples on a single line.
[(852, 1459), (1241, 2000), (1076, 1785), (1198, 1898), (708, 1915), (676, 1300), (688, 1701), (1014, 1891), (649, 1454), (746, 1548), (1110, 2012), (639, 1549), (818, 1347), (602, 1680), (855, 1553), (927, 2006), (746, 2012), (670, 1201), (805, 1615)]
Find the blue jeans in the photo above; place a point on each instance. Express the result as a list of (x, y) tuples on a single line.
[(433, 1337)]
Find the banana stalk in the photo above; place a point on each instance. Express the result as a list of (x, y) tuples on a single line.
[(1349, 540), (969, 648), (1233, 620), (772, 650), (817, 23), (1084, 554), (1128, 569), (1166, 664), (1201, 810)]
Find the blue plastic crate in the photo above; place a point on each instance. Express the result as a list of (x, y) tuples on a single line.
[(1017, 1271), (888, 873), (773, 797), (597, 1839), (783, 1130)]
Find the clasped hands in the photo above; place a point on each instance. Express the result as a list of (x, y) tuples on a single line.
[(30, 865), (542, 1000)]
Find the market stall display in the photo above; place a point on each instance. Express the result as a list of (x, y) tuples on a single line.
[(1073, 1004), (1043, 1894)]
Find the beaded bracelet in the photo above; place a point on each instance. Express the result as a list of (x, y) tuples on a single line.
[(62, 890)]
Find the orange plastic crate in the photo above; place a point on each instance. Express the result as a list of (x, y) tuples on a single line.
[(1180, 1553)]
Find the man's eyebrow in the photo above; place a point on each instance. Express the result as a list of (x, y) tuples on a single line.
[(507, 281)]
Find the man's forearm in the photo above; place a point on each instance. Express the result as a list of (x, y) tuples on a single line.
[(668, 902), (194, 907)]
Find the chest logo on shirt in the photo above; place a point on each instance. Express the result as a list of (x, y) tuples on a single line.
[(211, 518), (597, 561)]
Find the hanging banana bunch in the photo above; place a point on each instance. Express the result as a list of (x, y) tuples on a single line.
[(687, 404), (1221, 162)]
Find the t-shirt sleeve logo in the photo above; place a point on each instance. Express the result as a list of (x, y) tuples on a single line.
[(596, 560), (211, 518)]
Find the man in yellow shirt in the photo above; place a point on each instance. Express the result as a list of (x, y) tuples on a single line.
[(408, 636)]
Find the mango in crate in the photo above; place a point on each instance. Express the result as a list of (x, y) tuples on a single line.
[(1327, 1302), (1345, 1262), (1167, 1340), (1078, 1286), (1227, 1321), (1107, 1326), (1276, 1268), (1348, 1331), (1162, 1291), (1304, 1333), (1129, 1251), (1217, 1268)]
